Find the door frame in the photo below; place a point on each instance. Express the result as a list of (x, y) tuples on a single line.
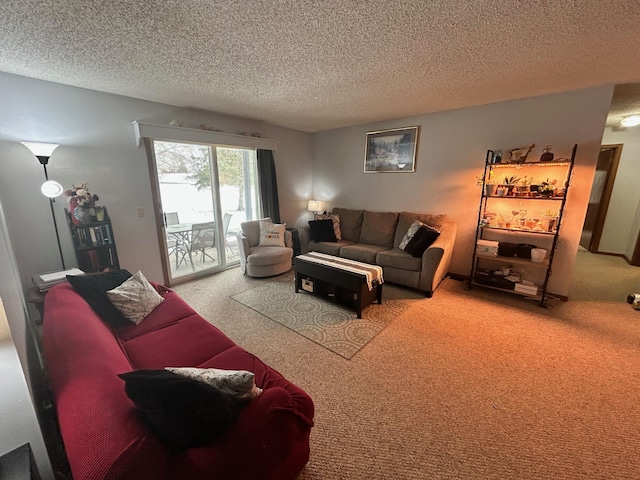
[(605, 199)]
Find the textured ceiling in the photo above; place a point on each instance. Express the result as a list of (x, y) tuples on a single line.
[(314, 65)]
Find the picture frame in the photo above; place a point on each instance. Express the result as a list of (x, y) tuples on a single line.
[(391, 151)]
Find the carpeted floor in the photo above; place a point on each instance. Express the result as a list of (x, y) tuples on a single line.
[(326, 323), (465, 385)]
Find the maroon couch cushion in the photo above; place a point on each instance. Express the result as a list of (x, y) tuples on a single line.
[(185, 343)]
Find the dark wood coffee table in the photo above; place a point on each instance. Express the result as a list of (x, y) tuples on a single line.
[(336, 283)]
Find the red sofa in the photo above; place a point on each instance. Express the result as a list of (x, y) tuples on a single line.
[(103, 433)]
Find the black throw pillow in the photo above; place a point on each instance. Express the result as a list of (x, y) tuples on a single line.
[(184, 413), (322, 231), (422, 240), (93, 288)]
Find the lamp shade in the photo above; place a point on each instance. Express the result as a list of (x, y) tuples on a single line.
[(314, 206), (51, 189), (41, 149)]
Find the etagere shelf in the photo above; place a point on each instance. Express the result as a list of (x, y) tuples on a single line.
[(514, 213), (94, 243)]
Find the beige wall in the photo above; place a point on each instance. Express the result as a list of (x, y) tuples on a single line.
[(451, 152), (622, 224)]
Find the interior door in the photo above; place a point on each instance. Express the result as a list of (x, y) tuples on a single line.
[(601, 188)]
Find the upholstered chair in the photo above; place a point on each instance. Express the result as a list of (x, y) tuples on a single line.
[(263, 261)]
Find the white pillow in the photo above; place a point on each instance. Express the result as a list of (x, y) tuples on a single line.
[(239, 383), (272, 234), (410, 233), (135, 298)]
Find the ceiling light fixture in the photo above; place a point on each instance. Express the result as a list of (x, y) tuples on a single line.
[(631, 121), (50, 188)]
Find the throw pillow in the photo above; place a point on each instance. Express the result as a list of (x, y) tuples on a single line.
[(422, 240), (237, 383), (410, 233), (272, 234), (183, 412), (335, 220), (135, 298), (322, 231), (93, 288)]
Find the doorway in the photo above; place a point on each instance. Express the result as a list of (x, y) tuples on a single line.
[(603, 181), (204, 192)]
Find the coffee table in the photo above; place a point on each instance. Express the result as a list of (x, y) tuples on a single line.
[(342, 280)]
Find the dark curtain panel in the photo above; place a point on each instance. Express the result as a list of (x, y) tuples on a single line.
[(268, 185)]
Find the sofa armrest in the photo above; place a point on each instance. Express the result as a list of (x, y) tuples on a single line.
[(437, 258), (288, 239), (272, 429), (243, 251), (304, 236)]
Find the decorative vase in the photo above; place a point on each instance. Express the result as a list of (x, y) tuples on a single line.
[(490, 189), (547, 154), (100, 214), (79, 215)]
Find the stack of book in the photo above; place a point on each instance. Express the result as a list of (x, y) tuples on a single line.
[(47, 280)]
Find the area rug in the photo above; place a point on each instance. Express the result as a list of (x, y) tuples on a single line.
[(328, 324)]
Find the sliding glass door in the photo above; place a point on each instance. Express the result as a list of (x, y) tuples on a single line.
[(205, 192)]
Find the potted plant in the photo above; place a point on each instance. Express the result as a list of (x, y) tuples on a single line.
[(525, 185), (547, 188), (510, 183)]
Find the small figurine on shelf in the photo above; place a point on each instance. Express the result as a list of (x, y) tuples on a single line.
[(547, 154), (519, 155)]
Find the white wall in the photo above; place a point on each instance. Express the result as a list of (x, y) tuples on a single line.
[(18, 422), (451, 152), (97, 145), (622, 224)]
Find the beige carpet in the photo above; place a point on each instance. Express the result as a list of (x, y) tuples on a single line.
[(328, 324), (465, 385)]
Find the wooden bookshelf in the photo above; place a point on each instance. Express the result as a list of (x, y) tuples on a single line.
[(95, 244)]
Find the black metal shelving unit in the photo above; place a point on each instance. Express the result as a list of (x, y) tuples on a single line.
[(482, 263)]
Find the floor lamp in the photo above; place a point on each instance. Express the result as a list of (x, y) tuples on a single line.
[(50, 188)]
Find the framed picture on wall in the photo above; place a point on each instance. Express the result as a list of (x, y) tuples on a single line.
[(391, 150)]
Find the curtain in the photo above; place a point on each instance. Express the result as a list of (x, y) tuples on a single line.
[(268, 185)]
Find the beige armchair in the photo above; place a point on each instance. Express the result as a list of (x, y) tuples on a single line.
[(262, 261)]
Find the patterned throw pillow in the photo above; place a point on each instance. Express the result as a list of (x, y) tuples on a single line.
[(410, 233), (272, 234), (183, 412), (135, 298), (237, 383), (334, 218)]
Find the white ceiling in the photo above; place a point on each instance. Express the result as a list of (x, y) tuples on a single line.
[(314, 65)]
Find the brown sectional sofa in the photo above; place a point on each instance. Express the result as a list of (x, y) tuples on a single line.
[(374, 237)]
